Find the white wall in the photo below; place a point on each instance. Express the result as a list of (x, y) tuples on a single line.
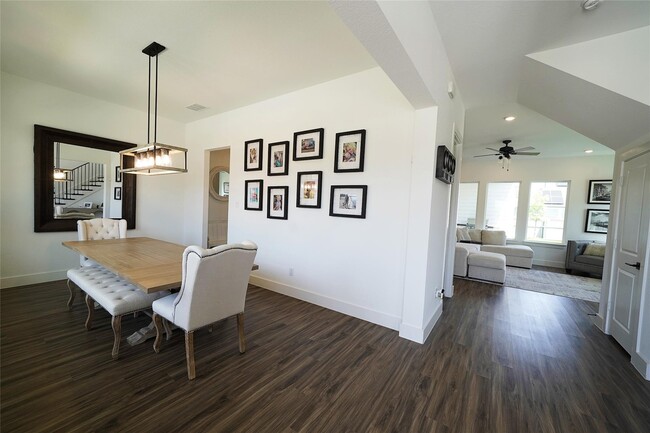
[(355, 266), (27, 257), (578, 171)]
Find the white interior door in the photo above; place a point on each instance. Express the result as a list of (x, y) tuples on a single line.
[(631, 245)]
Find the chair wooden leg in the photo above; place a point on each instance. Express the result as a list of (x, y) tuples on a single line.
[(240, 328), (90, 303), (157, 321), (189, 354), (72, 294), (117, 332)]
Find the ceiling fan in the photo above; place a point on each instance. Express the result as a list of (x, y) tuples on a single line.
[(504, 153)]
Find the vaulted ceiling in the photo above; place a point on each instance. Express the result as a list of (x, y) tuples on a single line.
[(508, 57)]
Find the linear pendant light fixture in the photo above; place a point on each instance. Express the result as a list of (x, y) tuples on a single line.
[(154, 158), (60, 174)]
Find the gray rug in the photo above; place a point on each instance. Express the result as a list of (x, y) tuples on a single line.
[(571, 286)]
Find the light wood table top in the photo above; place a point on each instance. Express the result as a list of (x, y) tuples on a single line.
[(150, 264)]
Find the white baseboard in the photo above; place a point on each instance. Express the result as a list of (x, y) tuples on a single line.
[(419, 335), (641, 365), (599, 322), (363, 313), (25, 280)]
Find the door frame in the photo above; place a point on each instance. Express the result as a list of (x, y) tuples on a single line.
[(604, 318)]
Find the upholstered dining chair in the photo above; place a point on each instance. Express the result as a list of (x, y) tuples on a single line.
[(213, 287), (92, 229)]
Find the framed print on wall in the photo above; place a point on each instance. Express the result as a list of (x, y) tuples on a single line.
[(308, 144), (278, 158), (348, 201), (597, 221), (349, 151), (117, 193), (253, 194), (253, 155), (309, 189), (118, 174), (600, 192), (277, 206)]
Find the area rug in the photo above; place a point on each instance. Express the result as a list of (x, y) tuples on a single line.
[(571, 286)]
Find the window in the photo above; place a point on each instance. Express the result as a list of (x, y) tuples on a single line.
[(501, 207), (546, 210), (467, 198)]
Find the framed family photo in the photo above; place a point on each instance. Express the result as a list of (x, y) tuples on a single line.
[(278, 158), (600, 192), (348, 201), (597, 221), (117, 193), (253, 155), (308, 144), (118, 174), (309, 189), (349, 151), (253, 194), (277, 206)]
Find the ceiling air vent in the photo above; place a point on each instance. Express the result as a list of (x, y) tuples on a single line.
[(196, 107)]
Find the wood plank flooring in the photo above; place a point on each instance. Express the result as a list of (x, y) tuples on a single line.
[(499, 360)]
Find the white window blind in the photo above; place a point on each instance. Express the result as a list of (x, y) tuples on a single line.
[(546, 210), (501, 207), (467, 198)]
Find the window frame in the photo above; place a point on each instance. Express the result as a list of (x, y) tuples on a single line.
[(564, 219), (516, 219)]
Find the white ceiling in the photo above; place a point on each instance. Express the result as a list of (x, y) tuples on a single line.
[(225, 55), (221, 55), (487, 43)]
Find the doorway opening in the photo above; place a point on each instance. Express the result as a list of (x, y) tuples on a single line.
[(219, 193)]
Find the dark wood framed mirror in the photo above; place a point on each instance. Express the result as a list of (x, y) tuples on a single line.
[(45, 143)]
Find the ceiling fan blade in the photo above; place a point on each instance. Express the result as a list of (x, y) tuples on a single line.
[(525, 148), (489, 148), (489, 154), (527, 153)]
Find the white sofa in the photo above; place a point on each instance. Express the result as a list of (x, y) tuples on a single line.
[(494, 241)]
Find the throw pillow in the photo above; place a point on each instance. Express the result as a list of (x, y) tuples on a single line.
[(475, 235), (493, 237), (595, 250), (462, 234)]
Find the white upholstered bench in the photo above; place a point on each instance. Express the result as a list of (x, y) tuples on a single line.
[(114, 294), (487, 266)]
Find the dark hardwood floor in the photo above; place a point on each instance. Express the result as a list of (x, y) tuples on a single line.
[(499, 360)]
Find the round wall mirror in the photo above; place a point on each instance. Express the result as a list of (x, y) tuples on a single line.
[(220, 183)]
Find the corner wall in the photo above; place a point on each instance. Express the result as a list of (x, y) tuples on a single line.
[(355, 266), (27, 257)]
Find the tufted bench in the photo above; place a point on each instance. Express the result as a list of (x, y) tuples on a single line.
[(487, 266), (114, 294)]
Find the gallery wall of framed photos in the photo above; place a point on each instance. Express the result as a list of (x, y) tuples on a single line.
[(599, 193), (345, 200)]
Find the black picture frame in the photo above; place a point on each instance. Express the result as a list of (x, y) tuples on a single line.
[(253, 154), (600, 192), (117, 193), (278, 162), (309, 189), (278, 202), (349, 151), (308, 144), (118, 174), (597, 221), (348, 201), (254, 194)]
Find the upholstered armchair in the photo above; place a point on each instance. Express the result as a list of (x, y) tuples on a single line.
[(93, 229), (213, 287)]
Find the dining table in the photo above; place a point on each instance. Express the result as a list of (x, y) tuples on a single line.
[(150, 264)]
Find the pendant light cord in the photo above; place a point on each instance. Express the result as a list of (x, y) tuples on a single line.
[(149, 105), (155, 117)]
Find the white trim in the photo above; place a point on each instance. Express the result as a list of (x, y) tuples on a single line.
[(420, 335), (24, 280), (599, 321), (372, 316), (641, 365)]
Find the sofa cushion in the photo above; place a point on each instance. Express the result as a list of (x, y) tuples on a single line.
[(487, 260), (475, 235), (510, 250), (493, 237), (595, 250), (462, 234), (590, 260)]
